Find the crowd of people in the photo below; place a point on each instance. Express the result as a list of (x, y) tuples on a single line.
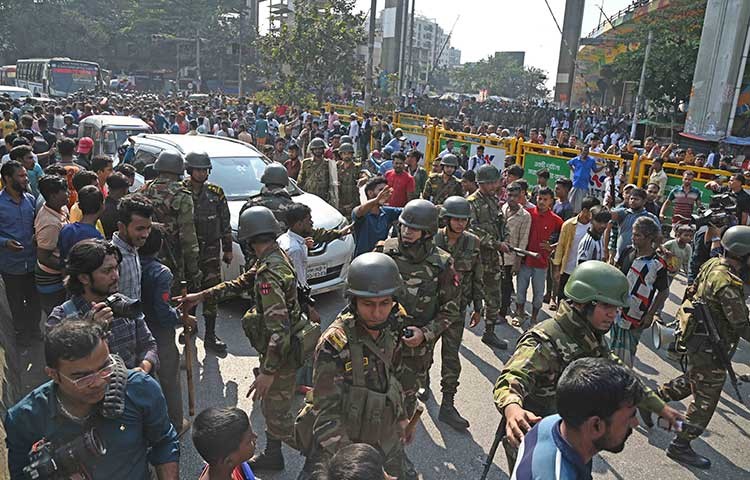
[(116, 273)]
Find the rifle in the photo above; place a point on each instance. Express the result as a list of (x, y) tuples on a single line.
[(703, 314), (499, 435), (188, 333)]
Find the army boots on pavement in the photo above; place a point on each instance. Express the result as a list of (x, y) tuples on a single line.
[(681, 451), (210, 340), (489, 338), (271, 459), (450, 415)]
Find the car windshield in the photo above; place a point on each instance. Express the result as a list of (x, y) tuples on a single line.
[(114, 138), (239, 177)]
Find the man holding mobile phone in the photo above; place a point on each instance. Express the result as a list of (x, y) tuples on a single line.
[(17, 251)]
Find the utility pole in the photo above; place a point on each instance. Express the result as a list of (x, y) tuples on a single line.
[(240, 89), (402, 47), (198, 63), (370, 53), (642, 84), (411, 45)]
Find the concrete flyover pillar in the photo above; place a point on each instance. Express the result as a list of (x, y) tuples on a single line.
[(566, 66), (725, 28)]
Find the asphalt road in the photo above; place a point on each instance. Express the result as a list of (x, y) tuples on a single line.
[(439, 452)]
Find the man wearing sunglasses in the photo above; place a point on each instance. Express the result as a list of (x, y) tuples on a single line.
[(62, 410)]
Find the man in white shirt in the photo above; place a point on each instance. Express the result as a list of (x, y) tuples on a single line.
[(353, 128)]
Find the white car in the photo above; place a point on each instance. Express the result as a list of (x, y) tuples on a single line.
[(237, 168), (15, 93)]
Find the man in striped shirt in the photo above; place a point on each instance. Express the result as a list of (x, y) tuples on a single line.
[(685, 197), (596, 401), (591, 246)]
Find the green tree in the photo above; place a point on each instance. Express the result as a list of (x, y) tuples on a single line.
[(674, 50), (500, 77), (315, 54)]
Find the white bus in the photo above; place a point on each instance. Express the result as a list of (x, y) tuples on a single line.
[(8, 75), (57, 77)]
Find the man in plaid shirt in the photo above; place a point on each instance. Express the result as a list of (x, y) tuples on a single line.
[(92, 269)]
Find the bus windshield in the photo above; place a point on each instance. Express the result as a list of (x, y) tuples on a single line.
[(70, 76)]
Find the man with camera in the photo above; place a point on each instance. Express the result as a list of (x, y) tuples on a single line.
[(92, 277), (93, 418)]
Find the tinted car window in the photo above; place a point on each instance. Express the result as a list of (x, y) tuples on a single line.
[(240, 176)]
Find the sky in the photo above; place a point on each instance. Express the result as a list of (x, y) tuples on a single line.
[(489, 26)]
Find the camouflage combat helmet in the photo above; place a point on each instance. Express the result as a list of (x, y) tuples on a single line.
[(169, 161), (346, 147), (257, 221), (372, 275), (488, 174), (596, 281), (736, 240), (275, 174), (456, 207), (198, 160), (346, 139), (449, 160), (420, 215), (316, 143)]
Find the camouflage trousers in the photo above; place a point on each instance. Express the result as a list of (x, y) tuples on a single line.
[(705, 385), (390, 448), (415, 374), (492, 295), (210, 265), (277, 406), (450, 368)]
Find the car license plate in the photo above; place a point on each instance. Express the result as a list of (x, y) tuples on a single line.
[(317, 271)]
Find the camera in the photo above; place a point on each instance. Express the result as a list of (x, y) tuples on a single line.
[(720, 212), (611, 168), (123, 306), (49, 461)]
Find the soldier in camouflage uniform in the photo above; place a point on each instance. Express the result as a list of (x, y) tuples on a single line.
[(464, 248), (525, 390), (173, 208), (440, 186), (719, 285), (275, 325), (357, 396), (214, 235), (430, 297), (348, 172), (314, 175), (488, 223), (274, 196)]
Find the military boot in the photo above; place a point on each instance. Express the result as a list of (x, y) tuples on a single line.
[(489, 338), (450, 415), (210, 340), (681, 451), (271, 458)]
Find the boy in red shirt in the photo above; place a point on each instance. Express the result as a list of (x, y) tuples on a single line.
[(545, 229), (225, 439)]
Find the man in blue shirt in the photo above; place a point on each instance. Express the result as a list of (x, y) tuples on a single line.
[(91, 203), (372, 220), (17, 251), (132, 424), (596, 401), (582, 165), (162, 318)]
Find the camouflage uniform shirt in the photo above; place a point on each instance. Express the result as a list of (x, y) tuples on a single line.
[(173, 208), (468, 265), (314, 177), (274, 286), (530, 376), (348, 190), (437, 189), (212, 219)]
